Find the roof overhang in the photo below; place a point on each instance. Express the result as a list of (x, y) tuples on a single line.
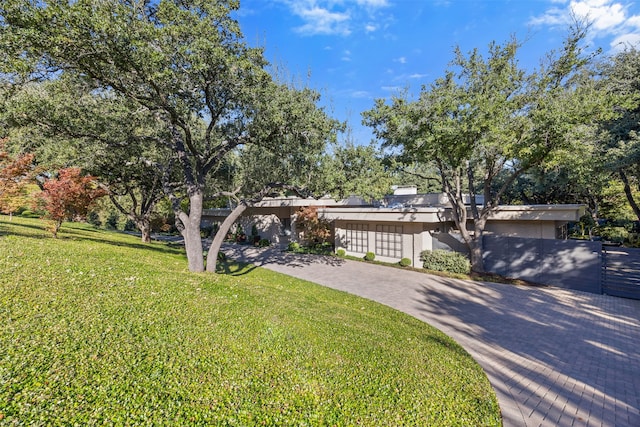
[(440, 214)]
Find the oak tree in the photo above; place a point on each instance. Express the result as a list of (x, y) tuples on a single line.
[(488, 117), (184, 62)]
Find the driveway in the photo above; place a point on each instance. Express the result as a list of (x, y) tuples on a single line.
[(555, 357)]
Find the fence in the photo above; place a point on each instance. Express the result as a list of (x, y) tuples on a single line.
[(621, 272), (564, 263)]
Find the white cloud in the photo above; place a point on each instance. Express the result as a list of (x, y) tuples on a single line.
[(373, 3), (323, 21), (604, 14), (625, 40), (360, 94), (334, 17), (369, 28), (609, 18), (418, 76), (402, 60)]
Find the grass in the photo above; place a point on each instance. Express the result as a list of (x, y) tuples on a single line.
[(96, 328)]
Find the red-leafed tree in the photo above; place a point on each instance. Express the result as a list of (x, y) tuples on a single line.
[(69, 196), (315, 229), (15, 173)]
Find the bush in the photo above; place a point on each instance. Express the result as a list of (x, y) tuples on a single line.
[(29, 214), (293, 247), (341, 252), (405, 262), (93, 218), (112, 221), (130, 225), (263, 243), (206, 230), (614, 234), (222, 256), (370, 256), (439, 260)]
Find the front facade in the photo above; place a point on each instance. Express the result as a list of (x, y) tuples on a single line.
[(402, 226), (396, 233)]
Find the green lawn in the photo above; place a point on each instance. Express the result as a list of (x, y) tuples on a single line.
[(96, 328)]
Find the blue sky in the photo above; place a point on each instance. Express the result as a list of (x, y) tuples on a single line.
[(354, 51)]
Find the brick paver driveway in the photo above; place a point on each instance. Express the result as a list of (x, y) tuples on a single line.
[(554, 357)]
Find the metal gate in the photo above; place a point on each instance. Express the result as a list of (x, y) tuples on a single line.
[(621, 272)]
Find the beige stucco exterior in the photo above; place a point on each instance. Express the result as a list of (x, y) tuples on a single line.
[(428, 228), (419, 223)]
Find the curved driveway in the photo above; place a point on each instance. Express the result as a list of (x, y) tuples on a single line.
[(554, 357)]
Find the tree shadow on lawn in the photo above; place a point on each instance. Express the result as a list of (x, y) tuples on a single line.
[(234, 268), (5, 229), (559, 341), (274, 255), (82, 233)]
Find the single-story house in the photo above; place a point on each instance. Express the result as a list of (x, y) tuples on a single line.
[(402, 226)]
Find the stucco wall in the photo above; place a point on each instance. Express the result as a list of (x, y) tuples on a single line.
[(532, 229), (564, 263), (411, 236)]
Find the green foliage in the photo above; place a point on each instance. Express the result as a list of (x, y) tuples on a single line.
[(354, 170), (263, 243), (29, 214), (206, 230), (440, 260), (369, 256), (487, 117), (186, 66), (619, 144), (405, 262), (613, 234), (341, 252), (111, 222), (293, 247), (97, 329)]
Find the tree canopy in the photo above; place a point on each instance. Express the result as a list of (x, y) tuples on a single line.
[(487, 117), (184, 63)]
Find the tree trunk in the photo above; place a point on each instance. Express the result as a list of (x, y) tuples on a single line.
[(629, 194), (144, 225), (214, 249), (191, 233), (476, 249)]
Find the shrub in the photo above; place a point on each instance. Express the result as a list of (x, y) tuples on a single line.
[(263, 243), (341, 252), (206, 230), (370, 256), (29, 214), (293, 247), (614, 234), (440, 260), (222, 256), (405, 262), (93, 218), (130, 225), (112, 221)]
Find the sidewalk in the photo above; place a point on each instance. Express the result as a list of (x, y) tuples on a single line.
[(554, 357)]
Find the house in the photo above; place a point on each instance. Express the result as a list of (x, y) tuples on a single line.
[(402, 226)]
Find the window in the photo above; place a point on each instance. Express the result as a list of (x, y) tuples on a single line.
[(357, 238), (389, 240)]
